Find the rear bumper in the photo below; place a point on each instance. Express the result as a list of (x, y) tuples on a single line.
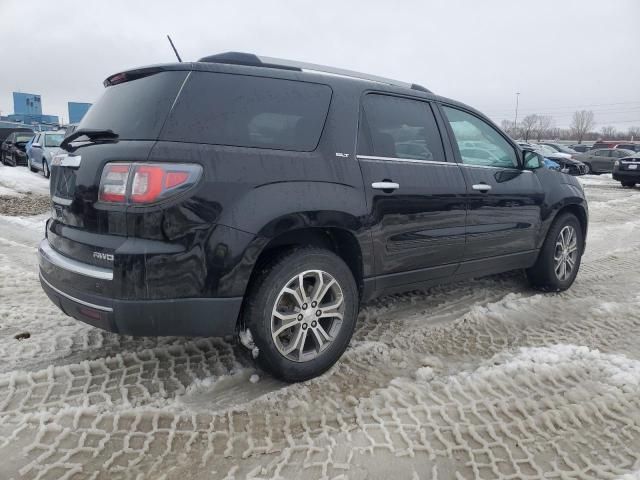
[(626, 175), (215, 317)]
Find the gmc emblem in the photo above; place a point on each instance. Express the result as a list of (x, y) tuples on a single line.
[(103, 256)]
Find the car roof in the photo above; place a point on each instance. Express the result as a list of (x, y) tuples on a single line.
[(286, 72)]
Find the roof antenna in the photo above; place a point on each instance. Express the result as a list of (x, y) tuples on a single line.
[(174, 49)]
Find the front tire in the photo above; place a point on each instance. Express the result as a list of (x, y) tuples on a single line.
[(588, 169), (628, 184), (559, 259), (301, 310)]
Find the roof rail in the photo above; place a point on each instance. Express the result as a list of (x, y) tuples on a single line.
[(249, 59)]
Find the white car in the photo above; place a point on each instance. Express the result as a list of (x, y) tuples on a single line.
[(45, 146)]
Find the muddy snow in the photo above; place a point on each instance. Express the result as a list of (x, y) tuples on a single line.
[(482, 379)]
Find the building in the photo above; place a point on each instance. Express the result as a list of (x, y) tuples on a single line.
[(27, 104), (27, 108), (77, 111)]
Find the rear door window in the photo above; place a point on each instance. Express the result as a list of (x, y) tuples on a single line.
[(246, 111), (137, 109), (396, 127)]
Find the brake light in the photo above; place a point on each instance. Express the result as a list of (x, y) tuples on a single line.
[(149, 182), (113, 184)]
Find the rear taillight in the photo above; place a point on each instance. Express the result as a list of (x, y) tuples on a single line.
[(142, 183)]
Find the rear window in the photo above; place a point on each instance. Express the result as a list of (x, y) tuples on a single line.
[(136, 109), (245, 111), (53, 140)]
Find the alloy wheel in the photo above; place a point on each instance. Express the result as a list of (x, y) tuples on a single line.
[(566, 253), (307, 315)]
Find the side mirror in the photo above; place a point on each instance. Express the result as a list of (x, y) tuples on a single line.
[(36, 145), (532, 160)]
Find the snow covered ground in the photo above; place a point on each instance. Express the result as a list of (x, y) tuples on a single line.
[(19, 181), (482, 379)]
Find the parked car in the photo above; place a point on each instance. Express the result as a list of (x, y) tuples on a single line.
[(566, 161), (6, 131), (13, 150), (560, 148), (627, 170), (601, 160), (257, 199), (634, 147), (69, 129), (581, 147), (44, 147), (550, 164), (604, 144)]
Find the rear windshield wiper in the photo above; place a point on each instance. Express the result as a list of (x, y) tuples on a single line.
[(91, 133)]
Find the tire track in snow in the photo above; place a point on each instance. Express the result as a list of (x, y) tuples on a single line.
[(409, 395)]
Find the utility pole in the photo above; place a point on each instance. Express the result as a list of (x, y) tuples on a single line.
[(515, 122)]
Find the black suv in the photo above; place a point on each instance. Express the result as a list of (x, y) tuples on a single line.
[(267, 199)]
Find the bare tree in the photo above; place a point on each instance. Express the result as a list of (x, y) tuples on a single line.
[(543, 126), (608, 131), (582, 123), (528, 126), (509, 128), (634, 133)]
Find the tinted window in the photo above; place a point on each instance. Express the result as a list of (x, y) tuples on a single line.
[(246, 111), (399, 128), (602, 153), (135, 110), (490, 148)]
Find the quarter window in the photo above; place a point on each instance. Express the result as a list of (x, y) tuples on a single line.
[(397, 127), (478, 142)]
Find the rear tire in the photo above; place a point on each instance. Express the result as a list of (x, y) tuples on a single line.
[(588, 169), (628, 184), (301, 335), (559, 259)]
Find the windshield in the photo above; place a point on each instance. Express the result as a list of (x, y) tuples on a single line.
[(53, 140), (545, 149), (23, 138), (564, 149)]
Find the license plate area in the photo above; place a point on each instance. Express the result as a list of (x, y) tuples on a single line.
[(632, 166)]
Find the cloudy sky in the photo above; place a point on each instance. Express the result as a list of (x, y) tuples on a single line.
[(561, 55)]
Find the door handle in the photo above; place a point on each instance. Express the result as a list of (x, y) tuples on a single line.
[(482, 187), (385, 185)]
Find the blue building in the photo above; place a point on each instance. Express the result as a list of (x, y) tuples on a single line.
[(27, 108), (27, 104), (77, 111)]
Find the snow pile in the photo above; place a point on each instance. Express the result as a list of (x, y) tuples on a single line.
[(20, 181)]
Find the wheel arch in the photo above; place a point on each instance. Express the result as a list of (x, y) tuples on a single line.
[(578, 210), (339, 240)]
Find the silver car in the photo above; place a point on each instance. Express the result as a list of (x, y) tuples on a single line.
[(45, 146), (601, 160)]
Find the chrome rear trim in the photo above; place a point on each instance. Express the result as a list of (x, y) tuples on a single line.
[(74, 266)]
